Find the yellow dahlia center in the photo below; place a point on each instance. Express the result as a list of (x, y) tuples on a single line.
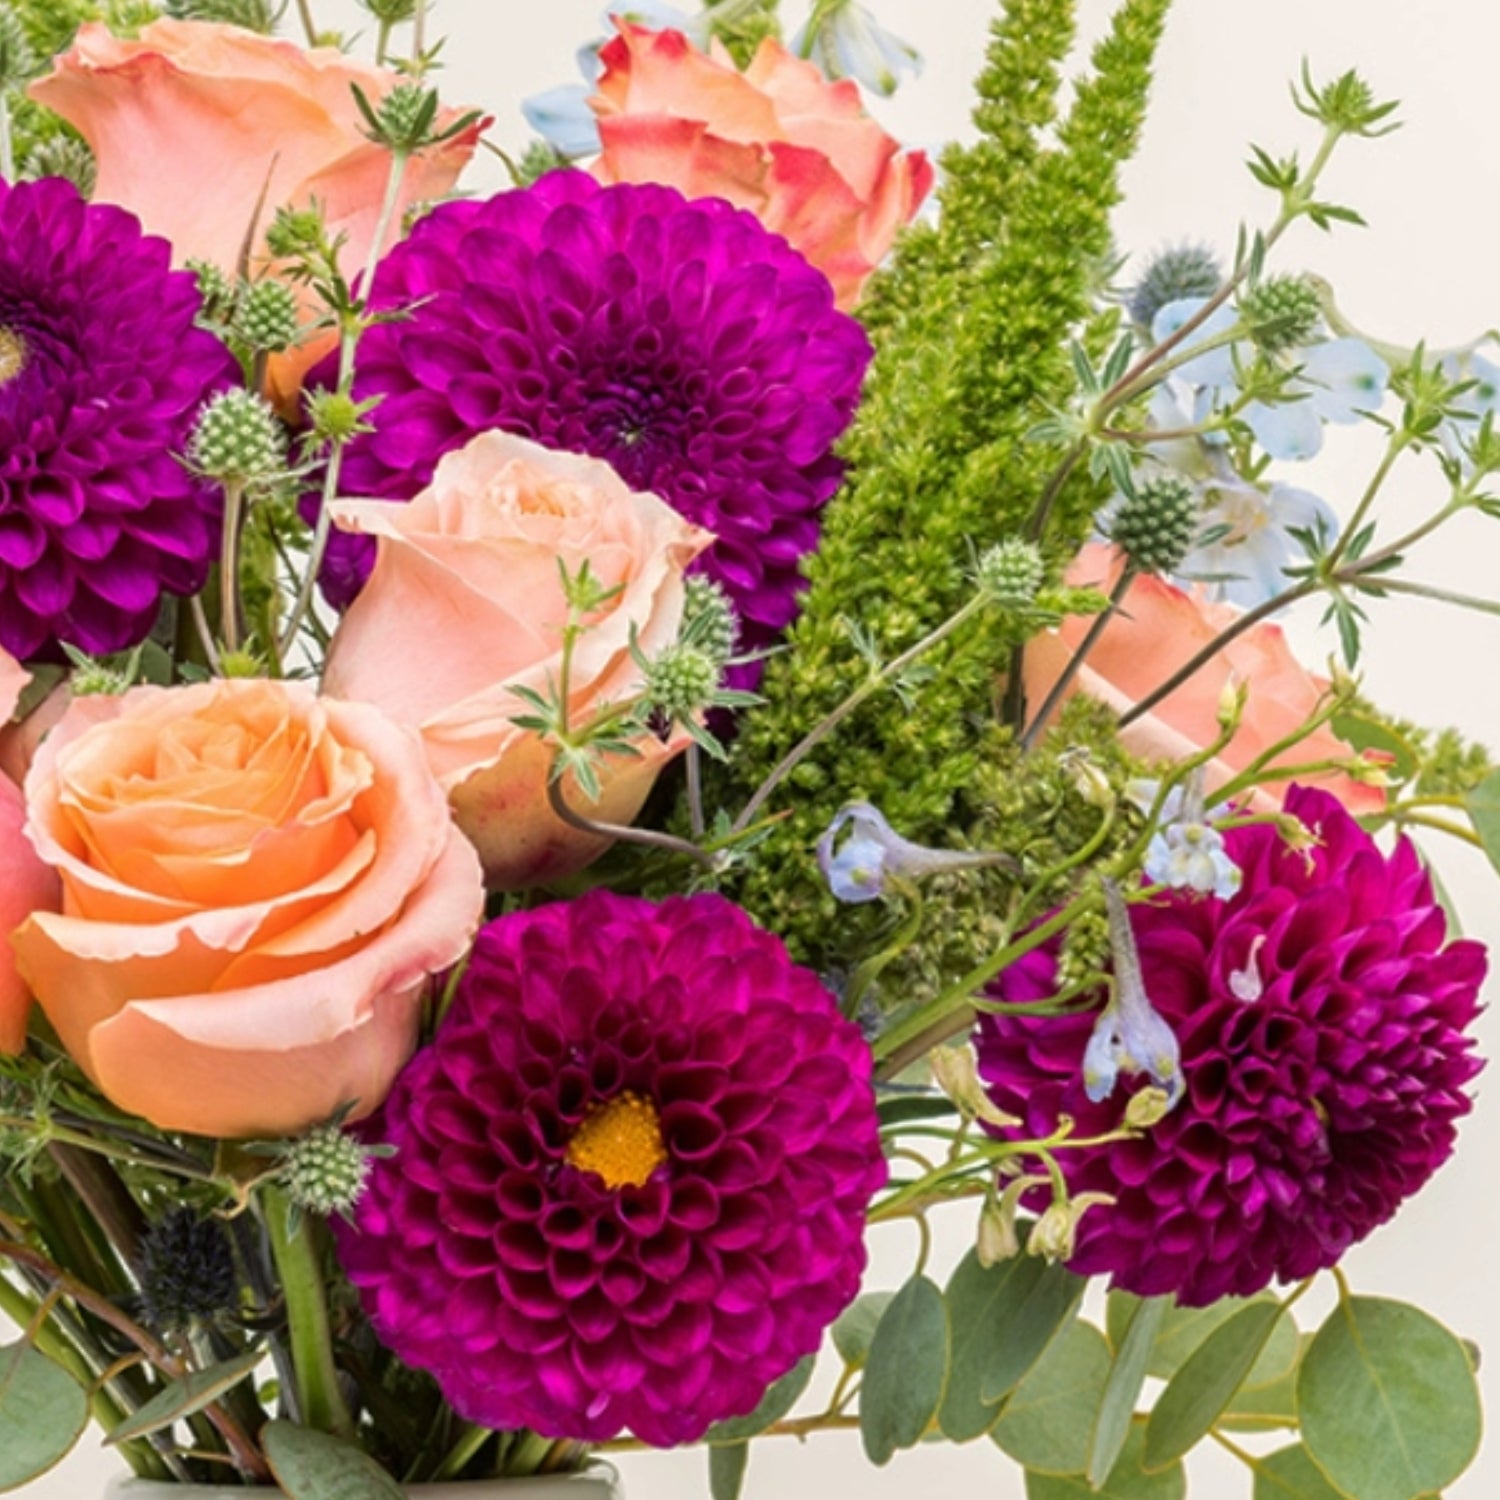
[(12, 354), (619, 1140)]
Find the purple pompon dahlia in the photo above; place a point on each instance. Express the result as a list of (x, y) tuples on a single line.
[(102, 373), (1322, 1024), (630, 1174), (680, 341)]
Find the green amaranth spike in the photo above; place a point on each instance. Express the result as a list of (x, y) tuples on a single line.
[(972, 324)]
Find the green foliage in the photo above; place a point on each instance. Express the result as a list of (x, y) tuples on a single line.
[(1388, 1402), (1128, 1480), (780, 1397), (253, 15), (1134, 1341), (1047, 1421), (972, 325), (43, 1412), (311, 1465), (184, 1397), (906, 1372)]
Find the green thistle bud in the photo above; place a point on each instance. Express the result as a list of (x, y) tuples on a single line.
[(708, 619), (253, 15), (325, 1171), (63, 156), (218, 291), (17, 60), (1183, 271), (295, 232), (681, 681), (539, 158), (1011, 573), (186, 1272), (241, 664), (335, 416), (390, 12), (238, 439), (97, 679), (404, 118), (268, 316), (1155, 527), (1282, 312)]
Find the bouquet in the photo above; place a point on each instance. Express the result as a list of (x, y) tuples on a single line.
[(574, 754)]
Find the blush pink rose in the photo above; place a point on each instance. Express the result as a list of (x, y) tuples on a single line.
[(26, 884), (257, 884), (1160, 629), (466, 604), (778, 139), (192, 121)]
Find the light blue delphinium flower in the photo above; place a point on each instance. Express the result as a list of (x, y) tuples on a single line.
[(1214, 369), (1186, 852), (561, 115), (871, 852), (1130, 1034), (1482, 399), (1338, 380), (846, 41)]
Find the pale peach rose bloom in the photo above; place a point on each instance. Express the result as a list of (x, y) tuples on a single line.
[(192, 121), (466, 604), (778, 139), (257, 885), (1160, 629), (26, 884)]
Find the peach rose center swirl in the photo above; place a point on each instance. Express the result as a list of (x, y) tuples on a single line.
[(13, 354), (620, 1141)]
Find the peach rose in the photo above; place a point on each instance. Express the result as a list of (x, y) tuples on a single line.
[(257, 884), (193, 121), (26, 884), (779, 139), (466, 604), (1160, 629)]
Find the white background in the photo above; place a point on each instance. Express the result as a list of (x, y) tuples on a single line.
[(1426, 268)]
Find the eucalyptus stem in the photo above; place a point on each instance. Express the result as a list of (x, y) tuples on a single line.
[(320, 1400), (877, 680)]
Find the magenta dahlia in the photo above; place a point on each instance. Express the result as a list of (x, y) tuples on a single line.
[(1322, 1019), (680, 341), (630, 1175), (102, 372)]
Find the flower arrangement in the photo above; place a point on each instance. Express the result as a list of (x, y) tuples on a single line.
[(572, 755)]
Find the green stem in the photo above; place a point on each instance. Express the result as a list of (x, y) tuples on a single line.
[(877, 680), (7, 147), (1399, 441), (527, 1455), (470, 1443), (320, 1401), (309, 26), (229, 566)]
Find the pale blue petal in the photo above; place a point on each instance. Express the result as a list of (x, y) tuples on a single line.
[(1290, 430), (851, 43), (562, 117), (1215, 369), (1345, 377)]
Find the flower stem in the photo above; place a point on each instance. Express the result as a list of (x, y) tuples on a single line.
[(7, 148), (321, 1401), (471, 1440)]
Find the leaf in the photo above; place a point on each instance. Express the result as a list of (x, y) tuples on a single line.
[(1262, 1408), (780, 1397), (1483, 807), (906, 1371), (1126, 1481), (311, 1465), (182, 1398), (1387, 1401), (43, 1412), (1289, 1474), (1207, 1381), (726, 1470), (1360, 732), (1039, 1302), (1046, 1423), (1127, 1374), (1183, 1329), (856, 1326), (909, 1108)]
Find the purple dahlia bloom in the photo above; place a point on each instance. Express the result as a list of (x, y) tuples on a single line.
[(680, 341), (102, 373), (1322, 1021), (630, 1177)]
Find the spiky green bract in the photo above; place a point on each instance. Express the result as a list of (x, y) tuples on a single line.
[(1155, 526), (253, 15), (971, 326)]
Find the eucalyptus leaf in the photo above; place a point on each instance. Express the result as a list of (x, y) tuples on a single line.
[(856, 1326), (1046, 1424), (727, 1463), (311, 1465), (1289, 1474), (1483, 807), (1039, 1300), (906, 1371), (43, 1412), (1207, 1381), (1128, 1480), (1387, 1400), (780, 1397), (1127, 1374), (184, 1397), (1183, 1329), (1262, 1408)]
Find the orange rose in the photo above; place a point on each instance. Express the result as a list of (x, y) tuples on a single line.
[(193, 121), (779, 139), (257, 884), (466, 604), (26, 884), (1160, 629)]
